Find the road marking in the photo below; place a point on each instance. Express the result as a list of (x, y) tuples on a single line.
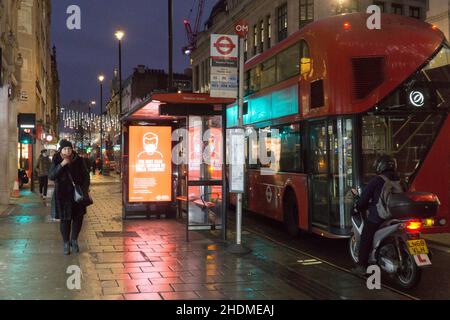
[(309, 262)]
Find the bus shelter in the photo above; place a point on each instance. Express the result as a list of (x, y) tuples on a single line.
[(173, 160)]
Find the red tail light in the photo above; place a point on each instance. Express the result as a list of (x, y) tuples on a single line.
[(426, 197), (414, 225)]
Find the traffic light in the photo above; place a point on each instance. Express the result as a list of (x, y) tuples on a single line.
[(27, 136), (27, 128)]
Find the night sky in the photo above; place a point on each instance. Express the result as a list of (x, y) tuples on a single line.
[(83, 54)]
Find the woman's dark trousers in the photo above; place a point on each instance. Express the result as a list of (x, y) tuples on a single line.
[(75, 224), (43, 185)]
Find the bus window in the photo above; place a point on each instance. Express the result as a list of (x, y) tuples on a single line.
[(290, 154), (407, 137), (252, 151), (270, 159), (288, 63), (305, 59)]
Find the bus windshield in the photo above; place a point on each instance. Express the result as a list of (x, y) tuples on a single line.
[(406, 123)]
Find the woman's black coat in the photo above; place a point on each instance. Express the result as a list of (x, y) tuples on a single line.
[(63, 205)]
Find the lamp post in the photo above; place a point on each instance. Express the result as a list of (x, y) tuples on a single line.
[(170, 18), (101, 78), (90, 134), (119, 36)]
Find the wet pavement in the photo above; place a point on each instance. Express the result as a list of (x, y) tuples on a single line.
[(150, 259)]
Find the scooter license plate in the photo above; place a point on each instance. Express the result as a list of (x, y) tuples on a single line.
[(417, 247)]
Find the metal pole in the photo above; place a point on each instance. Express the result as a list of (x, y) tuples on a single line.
[(120, 108), (238, 247), (241, 123), (170, 78), (101, 122), (224, 175), (32, 168), (90, 138)]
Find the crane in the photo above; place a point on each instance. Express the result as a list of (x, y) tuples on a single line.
[(192, 33)]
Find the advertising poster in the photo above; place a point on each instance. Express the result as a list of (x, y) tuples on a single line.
[(150, 169)]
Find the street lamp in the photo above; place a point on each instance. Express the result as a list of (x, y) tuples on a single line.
[(101, 78), (91, 105), (119, 35)]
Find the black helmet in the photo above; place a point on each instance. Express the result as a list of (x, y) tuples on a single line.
[(386, 163)]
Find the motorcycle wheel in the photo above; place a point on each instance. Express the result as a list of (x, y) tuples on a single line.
[(409, 274), (353, 249)]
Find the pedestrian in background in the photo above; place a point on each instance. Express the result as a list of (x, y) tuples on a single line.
[(42, 169), (94, 165), (67, 169)]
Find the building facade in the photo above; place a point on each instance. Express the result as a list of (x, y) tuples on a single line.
[(28, 84), (271, 21), (439, 15), (10, 66)]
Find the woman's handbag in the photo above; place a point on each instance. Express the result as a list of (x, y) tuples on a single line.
[(79, 196)]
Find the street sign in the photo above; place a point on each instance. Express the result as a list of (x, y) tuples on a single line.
[(224, 47), (241, 28), (236, 147), (224, 66)]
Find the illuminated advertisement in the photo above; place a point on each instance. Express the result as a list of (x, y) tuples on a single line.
[(150, 169)]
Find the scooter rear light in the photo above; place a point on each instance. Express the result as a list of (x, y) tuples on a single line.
[(428, 197), (414, 225)]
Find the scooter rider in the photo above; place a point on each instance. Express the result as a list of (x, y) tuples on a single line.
[(387, 166)]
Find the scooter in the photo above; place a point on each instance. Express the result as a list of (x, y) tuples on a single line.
[(398, 248)]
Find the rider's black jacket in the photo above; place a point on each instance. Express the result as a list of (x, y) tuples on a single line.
[(371, 195)]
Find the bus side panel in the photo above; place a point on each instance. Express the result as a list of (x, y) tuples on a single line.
[(434, 175), (266, 194)]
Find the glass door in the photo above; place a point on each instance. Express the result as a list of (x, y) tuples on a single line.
[(205, 172), (318, 163), (331, 158), (340, 136)]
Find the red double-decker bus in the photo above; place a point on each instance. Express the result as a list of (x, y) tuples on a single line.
[(340, 95)]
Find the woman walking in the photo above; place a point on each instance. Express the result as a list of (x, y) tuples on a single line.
[(67, 169)]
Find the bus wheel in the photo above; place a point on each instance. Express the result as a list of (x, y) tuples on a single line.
[(291, 214)]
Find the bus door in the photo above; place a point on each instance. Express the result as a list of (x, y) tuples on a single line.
[(318, 170), (331, 164)]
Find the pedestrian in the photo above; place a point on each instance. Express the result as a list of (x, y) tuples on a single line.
[(68, 168), (100, 166), (42, 169), (94, 165), (87, 161)]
